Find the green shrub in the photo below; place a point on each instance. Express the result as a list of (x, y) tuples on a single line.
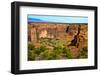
[(52, 42), (40, 49), (43, 48), (83, 53), (31, 47), (51, 56), (67, 52), (31, 55), (48, 55)]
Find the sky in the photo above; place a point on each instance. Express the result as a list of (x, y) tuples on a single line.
[(57, 19)]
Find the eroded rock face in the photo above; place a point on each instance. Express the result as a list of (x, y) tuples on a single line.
[(83, 36)]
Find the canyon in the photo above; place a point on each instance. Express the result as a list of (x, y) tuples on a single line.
[(74, 35)]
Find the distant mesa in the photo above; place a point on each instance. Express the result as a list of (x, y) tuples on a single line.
[(34, 20), (30, 20)]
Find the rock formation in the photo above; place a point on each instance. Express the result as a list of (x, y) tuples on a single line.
[(74, 35)]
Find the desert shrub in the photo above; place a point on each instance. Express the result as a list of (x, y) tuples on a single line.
[(67, 52), (40, 49), (43, 48), (31, 47), (31, 55), (83, 53), (51, 56), (37, 51), (58, 50), (43, 54), (33, 52), (52, 42), (48, 55)]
